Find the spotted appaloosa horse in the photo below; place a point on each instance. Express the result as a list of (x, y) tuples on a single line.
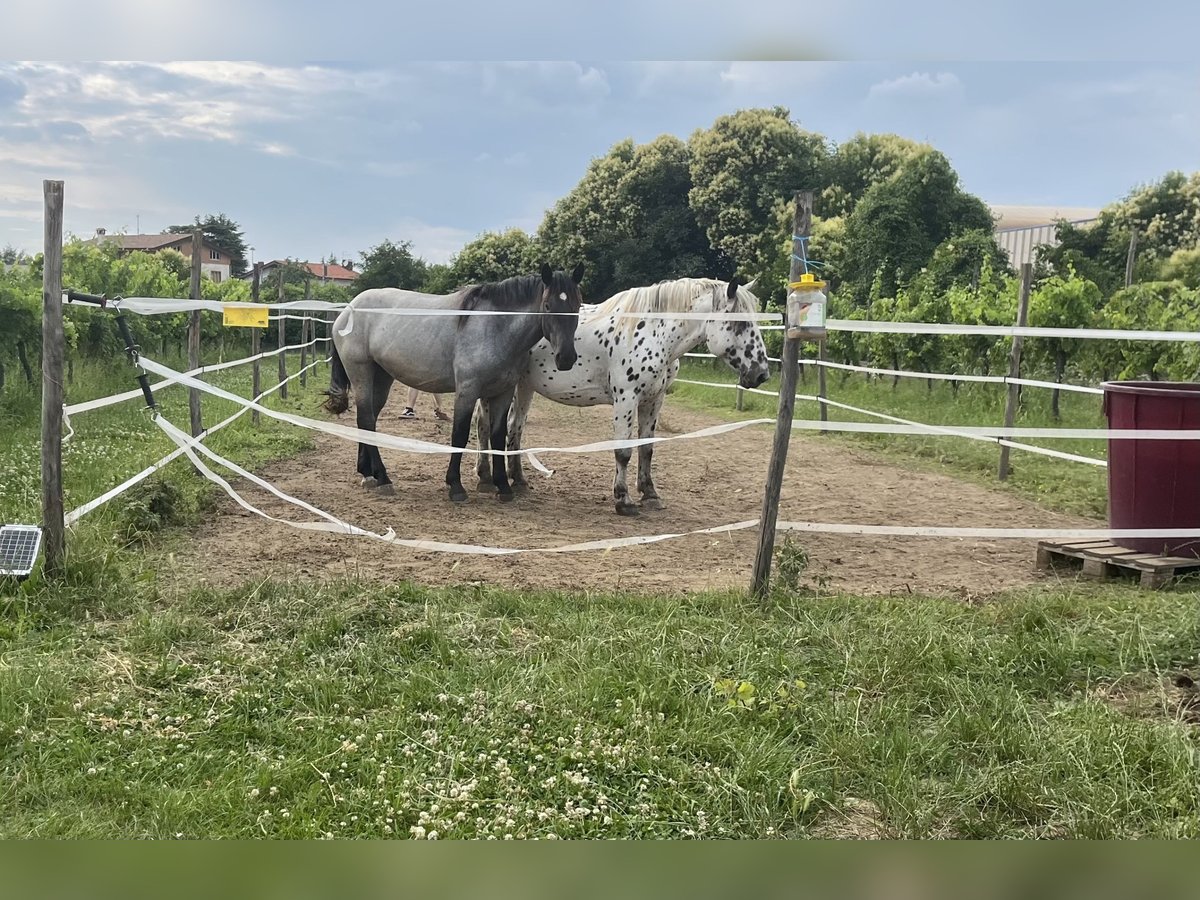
[(479, 357), (629, 362)]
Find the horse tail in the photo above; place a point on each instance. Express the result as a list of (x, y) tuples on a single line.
[(337, 398)]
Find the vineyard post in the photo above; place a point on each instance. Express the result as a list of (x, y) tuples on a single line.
[(193, 335), (1014, 364), (283, 392), (256, 372), (1131, 257), (305, 329)]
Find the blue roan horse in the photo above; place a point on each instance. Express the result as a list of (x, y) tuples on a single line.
[(629, 362), (479, 358)]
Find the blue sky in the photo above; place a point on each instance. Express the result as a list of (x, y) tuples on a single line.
[(332, 158)]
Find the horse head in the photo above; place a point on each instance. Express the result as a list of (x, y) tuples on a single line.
[(740, 344), (561, 299)]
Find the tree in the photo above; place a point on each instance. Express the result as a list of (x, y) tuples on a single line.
[(629, 220), (1166, 216), (898, 224), (741, 168), (659, 234), (859, 164), (222, 232), (11, 256), (494, 256), (438, 279), (390, 264), (1183, 265), (585, 225)]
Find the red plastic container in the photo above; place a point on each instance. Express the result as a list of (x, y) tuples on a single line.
[(1154, 483)]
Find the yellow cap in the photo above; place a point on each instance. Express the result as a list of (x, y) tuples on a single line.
[(807, 282)]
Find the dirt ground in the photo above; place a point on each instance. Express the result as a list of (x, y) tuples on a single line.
[(704, 482)]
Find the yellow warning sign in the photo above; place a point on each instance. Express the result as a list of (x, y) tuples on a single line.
[(245, 316)]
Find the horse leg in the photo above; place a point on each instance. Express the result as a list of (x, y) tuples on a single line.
[(381, 386), (498, 407), (648, 410), (483, 432), (464, 407), (364, 407), (622, 431), (516, 426)]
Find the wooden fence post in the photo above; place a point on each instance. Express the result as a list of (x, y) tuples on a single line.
[(53, 347), (282, 331), (256, 372), (790, 371), (305, 331), (1014, 363), (193, 341)]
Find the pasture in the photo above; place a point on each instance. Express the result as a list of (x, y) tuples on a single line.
[(201, 673)]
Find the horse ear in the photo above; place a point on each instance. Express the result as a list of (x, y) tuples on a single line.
[(577, 273), (547, 275), (750, 285)]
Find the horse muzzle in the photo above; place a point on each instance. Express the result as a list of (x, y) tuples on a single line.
[(754, 379), (565, 359)]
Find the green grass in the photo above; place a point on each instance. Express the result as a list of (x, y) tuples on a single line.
[(1058, 484), (116, 442), (133, 707), (352, 710)]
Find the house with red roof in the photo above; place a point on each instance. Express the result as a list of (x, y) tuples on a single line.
[(214, 262), (321, 272)]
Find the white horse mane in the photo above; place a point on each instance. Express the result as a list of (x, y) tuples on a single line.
[(678, 295)]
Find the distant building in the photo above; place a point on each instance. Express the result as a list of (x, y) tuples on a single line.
[(214, 262), (1020, 229), (323, 273)]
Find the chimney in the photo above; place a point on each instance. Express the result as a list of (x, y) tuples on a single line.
[(348, 264), (101, 232)]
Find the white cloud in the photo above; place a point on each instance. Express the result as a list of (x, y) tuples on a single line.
[(918, 84)]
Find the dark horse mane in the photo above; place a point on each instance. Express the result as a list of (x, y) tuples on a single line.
[(509, 294)]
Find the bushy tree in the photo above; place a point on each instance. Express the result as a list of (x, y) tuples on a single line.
[(390, 264), (222, 232), (585, 225), (1166, 216), (741, 168), (895, 228), (494, 256), (859, 164)]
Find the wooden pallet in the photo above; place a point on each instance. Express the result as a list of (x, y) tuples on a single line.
[(1103, 560)]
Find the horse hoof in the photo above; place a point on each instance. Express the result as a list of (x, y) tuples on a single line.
[(629, 510), (505, 496), (520, 487), (458, 496), (486, 487), (653, 503), (383, 490), (368, 482)]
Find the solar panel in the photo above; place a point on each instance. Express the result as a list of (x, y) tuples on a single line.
[(19, 546)]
